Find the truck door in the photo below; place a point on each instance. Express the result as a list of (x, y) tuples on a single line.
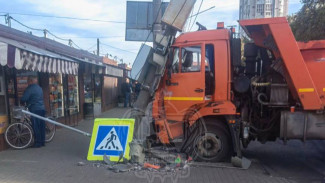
[(186, 85)]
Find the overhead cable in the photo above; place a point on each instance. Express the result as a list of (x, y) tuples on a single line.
[(66, 17), (45, 31), (198, 11), (117, 48)]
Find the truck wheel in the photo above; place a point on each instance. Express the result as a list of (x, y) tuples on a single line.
[(214, 145)]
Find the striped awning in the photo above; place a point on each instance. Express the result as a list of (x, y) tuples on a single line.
[(30, 58)]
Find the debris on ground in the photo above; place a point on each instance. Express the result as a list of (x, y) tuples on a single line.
[(97, 165), (148, 165), (159, 159), (81, 163)]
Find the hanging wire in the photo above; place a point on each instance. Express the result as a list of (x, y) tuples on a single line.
[(190, 20), (76, 44), (66, 17), (62, 39), (117, 48), (35, 29), (197, 15), (92, 47), (46, 31)]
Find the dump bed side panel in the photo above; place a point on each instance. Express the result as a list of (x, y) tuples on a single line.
[(313, 53), (275, 34)]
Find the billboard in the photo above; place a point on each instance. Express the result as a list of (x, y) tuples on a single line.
[(140, 19)]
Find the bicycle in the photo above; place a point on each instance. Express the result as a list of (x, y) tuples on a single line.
[(20, 135)]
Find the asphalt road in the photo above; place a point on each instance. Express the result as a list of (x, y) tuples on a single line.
[(298, 161), (57, 162)]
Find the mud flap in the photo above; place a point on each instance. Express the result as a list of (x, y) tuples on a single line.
[(238, 160)]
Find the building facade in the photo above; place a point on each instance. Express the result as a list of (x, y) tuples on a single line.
[(251, 9), (76, 84)]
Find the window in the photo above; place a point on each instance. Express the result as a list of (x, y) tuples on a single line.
[(260, 8), (56, 95), (175, 64), (88, 89), (209, 69), (209, 58), (98, 89), (191, 59), (73, 94)]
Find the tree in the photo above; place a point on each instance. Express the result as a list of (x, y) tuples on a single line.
[(309, 22)]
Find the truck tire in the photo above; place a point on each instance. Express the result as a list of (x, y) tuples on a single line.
[(214, 145), (250, 50)]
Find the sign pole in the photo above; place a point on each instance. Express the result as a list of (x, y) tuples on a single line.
[(56, 123)]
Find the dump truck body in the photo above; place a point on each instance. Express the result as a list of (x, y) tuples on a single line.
[(277, 92), (302, 67)]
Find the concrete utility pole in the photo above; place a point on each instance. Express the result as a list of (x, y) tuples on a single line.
[(157, 28), (140, 106), (98, 46)]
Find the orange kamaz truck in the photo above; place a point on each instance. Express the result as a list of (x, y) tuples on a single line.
[(215, 97)]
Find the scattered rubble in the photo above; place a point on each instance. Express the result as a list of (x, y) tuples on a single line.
[(159, 159), (81, 163)]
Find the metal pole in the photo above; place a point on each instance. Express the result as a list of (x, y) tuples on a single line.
[(56, 123)]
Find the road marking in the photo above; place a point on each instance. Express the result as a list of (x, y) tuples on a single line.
[(306, 90), (184, 98)]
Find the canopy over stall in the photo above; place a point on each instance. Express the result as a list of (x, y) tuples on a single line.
[(28, 57)]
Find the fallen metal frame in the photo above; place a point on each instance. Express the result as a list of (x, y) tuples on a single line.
[(56, 123)]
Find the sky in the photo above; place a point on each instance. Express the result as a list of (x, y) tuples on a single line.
[(111, 34)]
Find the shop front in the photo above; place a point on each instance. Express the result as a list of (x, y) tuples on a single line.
[(64, 98), (92, 76), (57, 75), (110, 86), (3, 109)]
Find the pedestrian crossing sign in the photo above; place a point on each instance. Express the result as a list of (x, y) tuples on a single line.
[(110, 137)]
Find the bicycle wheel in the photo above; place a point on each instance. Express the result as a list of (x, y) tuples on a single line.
[(19, 135), (50, 130)]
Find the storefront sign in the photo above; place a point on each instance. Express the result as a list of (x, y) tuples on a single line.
[(112, 71), (111, 137)]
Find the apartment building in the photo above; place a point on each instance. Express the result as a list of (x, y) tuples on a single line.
[(250, 9)]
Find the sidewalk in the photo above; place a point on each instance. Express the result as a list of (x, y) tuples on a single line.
[(57, 162)]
